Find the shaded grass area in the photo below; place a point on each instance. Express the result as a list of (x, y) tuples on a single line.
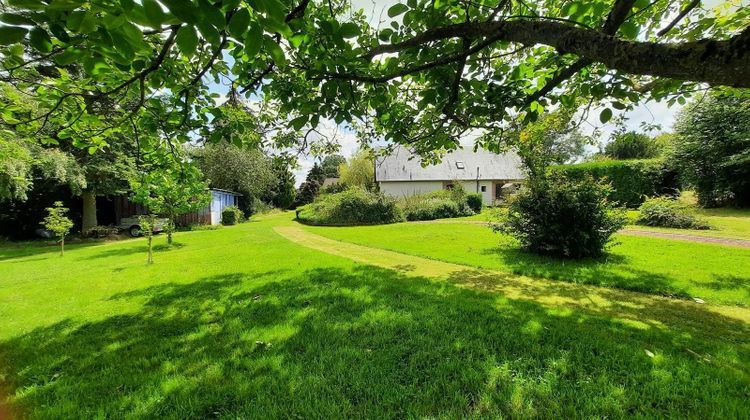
[(652, 265), (243, 323)]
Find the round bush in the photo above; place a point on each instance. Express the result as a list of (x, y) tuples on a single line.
[(563, 217), (474, 201), (231, 215), (355, 206), (666, 212)]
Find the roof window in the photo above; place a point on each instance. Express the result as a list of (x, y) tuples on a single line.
[(460, 165)]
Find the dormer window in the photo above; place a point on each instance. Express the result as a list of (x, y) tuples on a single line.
[(460, 165)]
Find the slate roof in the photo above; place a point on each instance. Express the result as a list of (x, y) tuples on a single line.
[(492, 166)]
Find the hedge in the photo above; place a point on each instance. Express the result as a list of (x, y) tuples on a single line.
[(632, 180), (354, 206)]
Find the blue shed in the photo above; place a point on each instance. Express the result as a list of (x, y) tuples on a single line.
[(219, 200)]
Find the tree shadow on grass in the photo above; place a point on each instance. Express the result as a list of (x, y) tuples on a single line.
[(609, 270), (20, 250), (370, 342), (140, 248), (728, 282)]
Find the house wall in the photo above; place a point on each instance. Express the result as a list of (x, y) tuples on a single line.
[(407, 188)]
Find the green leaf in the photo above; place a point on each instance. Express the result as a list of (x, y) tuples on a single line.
[(59, 32), (16, 19), (68, 56), (11, 34), (154, 14), (253, 40), (349, 30), (39, 39), (28, 4), (239, 23), (187, 40), (298, 122), (184, 10), (605, 115), (277, 54), (209, 32), (211, 15), (629, 30), (397, 9)]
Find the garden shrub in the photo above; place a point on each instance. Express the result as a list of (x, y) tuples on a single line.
[(632, 145), (431, 208), (632, 180), (667, 212), (441, 204), (563, 217), (231, 215), (355, 206), (474, 201), (333, 188)]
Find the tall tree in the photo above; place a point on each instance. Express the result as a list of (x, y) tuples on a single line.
[(243, 169), (359, 171), (712, 149), (330, 165)]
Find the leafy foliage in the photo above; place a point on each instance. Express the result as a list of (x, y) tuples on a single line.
[(171, 188), (668, 212), (632, 180), (358, 171), (632, 145), (355, 206), (712, 149), (309, 189), (331, 164), (440, 204), (437, 70), (243, 169), (283, 192), (231, 215), (550, 140), (475, 202), (570, 218), (57, 222)]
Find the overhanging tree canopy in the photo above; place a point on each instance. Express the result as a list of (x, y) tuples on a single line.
[(436, 70)]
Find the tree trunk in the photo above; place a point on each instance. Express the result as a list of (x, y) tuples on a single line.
[(150, 250), (170, 229), (62, 245), (89, 210)]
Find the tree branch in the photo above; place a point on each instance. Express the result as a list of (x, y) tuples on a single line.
[(693, 4), (615, 19), (725, 62)]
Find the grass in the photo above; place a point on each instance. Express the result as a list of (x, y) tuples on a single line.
[(666, 267), (241, 322)]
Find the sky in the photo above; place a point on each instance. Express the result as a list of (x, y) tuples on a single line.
[(650, 113)]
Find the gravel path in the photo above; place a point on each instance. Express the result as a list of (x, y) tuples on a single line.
[(742, 243)]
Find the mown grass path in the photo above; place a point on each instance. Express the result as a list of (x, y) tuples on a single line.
[(631, 307)]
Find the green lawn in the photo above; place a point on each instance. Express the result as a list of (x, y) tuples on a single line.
[(710, 272), (241, 322)]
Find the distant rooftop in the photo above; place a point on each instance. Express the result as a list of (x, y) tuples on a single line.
[(461, 164)]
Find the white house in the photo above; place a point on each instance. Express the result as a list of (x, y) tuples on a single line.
[(401, 173)]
